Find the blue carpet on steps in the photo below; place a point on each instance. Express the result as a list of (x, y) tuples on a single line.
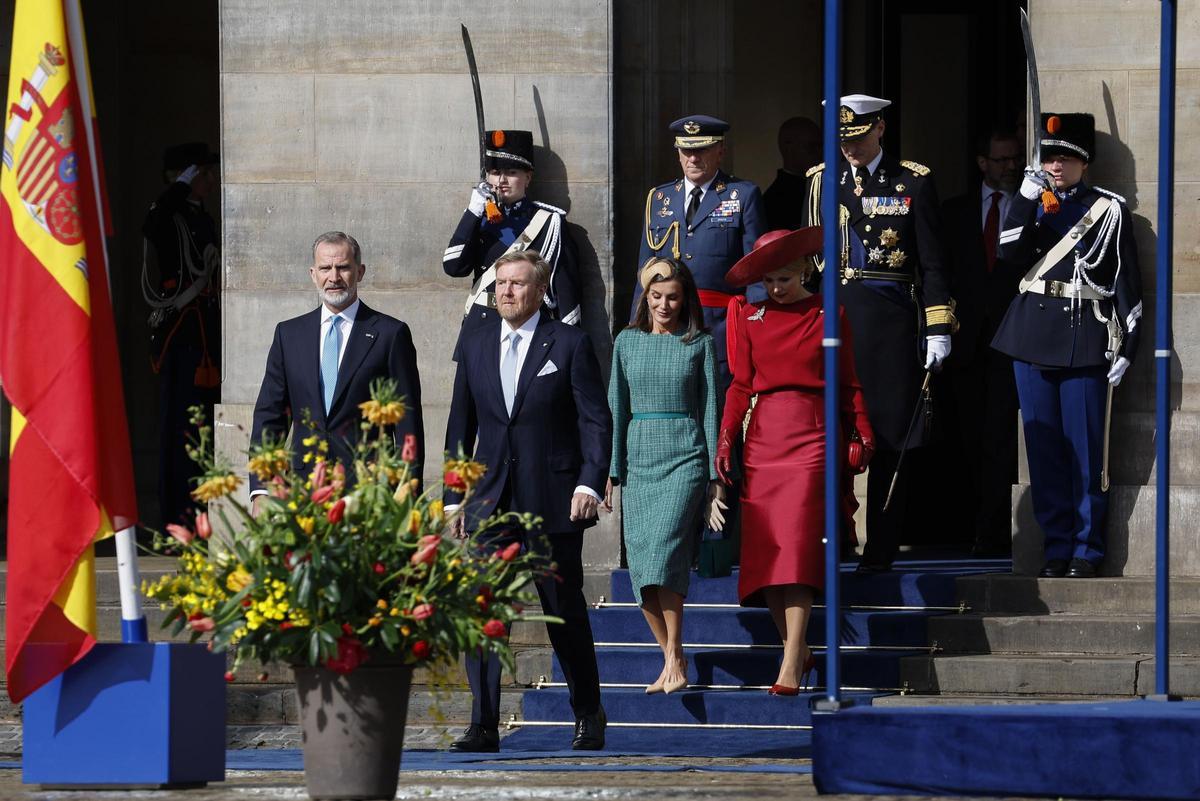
[(724, 707), (620, 741), (1121, 749)]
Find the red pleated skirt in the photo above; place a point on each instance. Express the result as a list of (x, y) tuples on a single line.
[(783, 503)]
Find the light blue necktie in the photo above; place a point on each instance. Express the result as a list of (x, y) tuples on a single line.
[(508, 371), (329, 359)]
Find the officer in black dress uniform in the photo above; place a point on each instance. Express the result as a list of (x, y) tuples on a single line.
[(500, 218), (1071, 332), (896, 293), (179, 283), (707, 219)]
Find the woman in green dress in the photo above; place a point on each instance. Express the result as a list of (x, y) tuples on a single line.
[(663, 395)]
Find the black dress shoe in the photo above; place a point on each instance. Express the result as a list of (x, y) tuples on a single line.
[(872, 568), (589, 732), (1054, 568), (1081, 568), (478, 739)]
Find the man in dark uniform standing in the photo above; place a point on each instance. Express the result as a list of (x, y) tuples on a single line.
[(1071, 331), (179, 283), (500, 218), (896, 293), (800, 147), (980, 379), (707, 219)]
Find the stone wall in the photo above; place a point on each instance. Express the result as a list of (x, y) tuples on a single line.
[(359, 116), (1102, 57)]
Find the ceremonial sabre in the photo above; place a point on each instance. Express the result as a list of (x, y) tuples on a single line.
[(1035, 92), (921, 400), (493, 211)]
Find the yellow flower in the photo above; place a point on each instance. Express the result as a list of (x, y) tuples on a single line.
[(267, 464), (309, 441), (394, 612), (436, 513), (470, 472), (239, 579), (414, 521), (375, 621), (216, 487), (305, 523), (382, 414), (405, 630), (381, 604)]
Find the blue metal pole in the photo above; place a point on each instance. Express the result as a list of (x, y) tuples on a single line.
[(829, 285), (1163, 345)]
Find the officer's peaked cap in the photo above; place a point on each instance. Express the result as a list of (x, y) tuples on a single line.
[(1068, 134), (697, 131), (508, 149)]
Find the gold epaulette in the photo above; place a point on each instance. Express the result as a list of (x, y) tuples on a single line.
[(919, 169), (814, 170)]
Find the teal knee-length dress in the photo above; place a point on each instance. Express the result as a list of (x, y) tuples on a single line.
[(664, 397)]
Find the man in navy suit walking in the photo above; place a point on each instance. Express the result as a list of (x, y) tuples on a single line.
[(324, 362), (529, 404)]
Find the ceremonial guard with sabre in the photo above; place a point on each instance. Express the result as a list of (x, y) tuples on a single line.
[(179, 284), (501, 219), (895, 289), (1071, 331), (708, 220)]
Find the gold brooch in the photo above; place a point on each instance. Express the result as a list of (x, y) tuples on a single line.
[(888, 238)]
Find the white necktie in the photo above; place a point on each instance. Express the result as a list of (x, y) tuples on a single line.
[(329, 359), (508, 371)]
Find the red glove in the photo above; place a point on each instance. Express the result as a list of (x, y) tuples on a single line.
[(858, 453), (724, 458)]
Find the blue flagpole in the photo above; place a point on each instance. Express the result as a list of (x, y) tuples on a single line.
[(829, 286), (1163, 345)]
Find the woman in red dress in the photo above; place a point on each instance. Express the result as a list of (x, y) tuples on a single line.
[(778, 357)]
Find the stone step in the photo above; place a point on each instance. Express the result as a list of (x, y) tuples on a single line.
[(1060, 633), (1134, 595), (1045, 675), (1130, 532), (1134, 444), (969, 699)]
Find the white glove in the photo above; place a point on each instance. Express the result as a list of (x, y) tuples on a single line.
[(937, 348), (1033, 183), (716, 506), (479, 198), (187, 175), (1117, 371)]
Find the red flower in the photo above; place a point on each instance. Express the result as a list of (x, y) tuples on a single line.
[(323, 494), (379, 569), (420, 649), (266, 550), (427, 550), (318, 475), (285, 625), (511, 551), (229, 675), (181, 533), (409, 451), (203, 526), (246, 602), (350, 655), (201, 623), (347, 628), (485, 597), (422, 611), (454, 481), (337, 511), (494, 628), (339, 476), (278, 488)]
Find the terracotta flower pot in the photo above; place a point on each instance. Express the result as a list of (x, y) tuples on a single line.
[(353, 727)]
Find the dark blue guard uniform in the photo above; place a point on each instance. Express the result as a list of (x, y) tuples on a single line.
[(729, 220), (1065, 331), (477, 242), (895, 289)]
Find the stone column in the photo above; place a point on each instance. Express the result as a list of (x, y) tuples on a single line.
[(359, 116), (1101, 57)]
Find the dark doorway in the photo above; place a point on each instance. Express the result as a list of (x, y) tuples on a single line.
[(155, 70)]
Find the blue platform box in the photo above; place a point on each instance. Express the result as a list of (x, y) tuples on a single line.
[(129, 714)]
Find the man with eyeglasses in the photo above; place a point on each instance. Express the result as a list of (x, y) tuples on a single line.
[(980, 392)]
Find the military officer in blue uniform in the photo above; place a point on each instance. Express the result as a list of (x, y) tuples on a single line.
[(1071, 331), (707, 219), (501, 218), (895, 288)]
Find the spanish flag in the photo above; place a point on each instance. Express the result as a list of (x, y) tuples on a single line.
[(71, 479)]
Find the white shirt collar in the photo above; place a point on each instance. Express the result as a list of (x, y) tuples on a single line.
[(526, 330), (349, 313), (688, 186), (986, 192), (874, 163)]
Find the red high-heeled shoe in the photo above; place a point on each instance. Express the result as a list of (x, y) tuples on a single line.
[(806, 673)]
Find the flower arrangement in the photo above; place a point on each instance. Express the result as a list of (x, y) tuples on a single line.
[(332, 571)]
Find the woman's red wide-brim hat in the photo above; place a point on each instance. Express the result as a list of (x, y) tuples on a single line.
[(772, 251)]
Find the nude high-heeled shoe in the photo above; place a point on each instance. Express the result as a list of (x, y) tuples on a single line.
[(676, 685)]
